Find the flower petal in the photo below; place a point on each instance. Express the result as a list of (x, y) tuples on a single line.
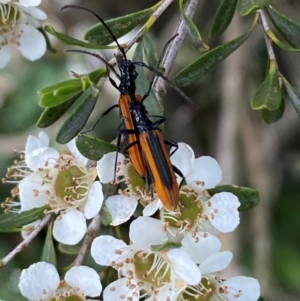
[(226, 216), (183, 158), (147, 231), (40, 157), (106, 166), (39, 281), (36, 142), (207, 171), (76, 153), (119, 290), (206, 244), (121, 208), (32, 43), (152, 207), (28, 198), (86, 279), (5, 56), (216, 262), (35, 13), (94, 201), (249, 287), (104, 247), (184, 266), (70, 227), (27, 229), (27, 3)]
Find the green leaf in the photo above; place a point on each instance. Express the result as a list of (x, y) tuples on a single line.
[(293, 94), (280, 44), (48, 42), (210, 59), (72, 41), (77, 120), (167, 245), (95, 76), (274, 115), (93, 148), (149, 50), (192, 30), (13, 222), (98, 34), (106, 217), (69, 249), (223, 17), (268, 96), (57, 94), (51, 115), (142, 84), (49, 254), (288, 28), (248, 197), (245, 7)]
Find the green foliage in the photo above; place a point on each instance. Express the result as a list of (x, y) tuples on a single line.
[(269, 95), (13, 222), (192, 30), (166, 246), (93, 148), (293, 94), (248, 197), (223, 17), (98, 34), (49, 254), (209, 60), (246, 7), (77, 120), (288, 28)]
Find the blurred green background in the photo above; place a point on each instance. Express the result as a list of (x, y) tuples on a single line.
[(266, 245)]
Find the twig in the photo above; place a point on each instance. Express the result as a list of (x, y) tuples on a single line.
[(264, 22), (26, 241), (160, 86), (90, 235)]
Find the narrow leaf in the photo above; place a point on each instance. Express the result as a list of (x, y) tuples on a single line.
[(93, 148), (51, 115), (72, 41), (288, 28), (193, 31), (77, 120), (98, 34), (49, 254), (53, 88), (210, 59), (282, 45), (293, 94), (167, 245), (13, 222), (245, 7), (223, 17), (248, 197), (69, 249), (268, 96), (106, 217), (143, 84), (149, 50), (274, 115)]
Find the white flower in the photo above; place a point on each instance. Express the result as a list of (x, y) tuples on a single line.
[(18, 29), (61, 181), (123, 205), (199, 212), (145, 272), (41, 282), (212, 288)]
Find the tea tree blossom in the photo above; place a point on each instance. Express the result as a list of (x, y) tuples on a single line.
[(61, 181), (213, 288), (18, 29), (143, 271), (41, 282), (200, 213)]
